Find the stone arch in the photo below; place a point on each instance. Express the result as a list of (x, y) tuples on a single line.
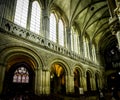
[(97, 80), (13, 51), (14, 55), (60, 13), (63, 63), (88, 79), (59, 72), (80, 68)]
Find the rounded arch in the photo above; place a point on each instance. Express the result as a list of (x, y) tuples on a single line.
[(62, 63), (90, 72), (97, 80), (12, 52), (58, 81), (88, 79), (12, 56), (80, 69)]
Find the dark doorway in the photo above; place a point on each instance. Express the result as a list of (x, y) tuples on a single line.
[(96, 81), (57, 84), (88, 81), (76, 81)]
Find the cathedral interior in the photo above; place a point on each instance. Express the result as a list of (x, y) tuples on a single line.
[(65, 49)]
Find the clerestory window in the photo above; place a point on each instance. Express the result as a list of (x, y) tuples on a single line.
[(53, 28), (61, 32), (21, 12), (35, 18)]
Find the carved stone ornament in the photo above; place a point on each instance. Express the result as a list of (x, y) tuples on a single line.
[(117, 10), (114, 27)]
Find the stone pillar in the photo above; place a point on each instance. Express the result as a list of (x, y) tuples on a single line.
[(2, 9), (43, 82), (81, 88), (29, 15), (2, 75), (81, 46), (45, 22), (68, 31), (38, 81), (47, 82), (93, 83), (69, 83), (84, 83), (91, 50), (9, 11)]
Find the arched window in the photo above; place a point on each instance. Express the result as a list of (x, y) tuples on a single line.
[(61, 32), (35, 17), (74, 40), (21, 75), (52, 28), (88, 50), (85, 46), (93, 53), (21, 12)]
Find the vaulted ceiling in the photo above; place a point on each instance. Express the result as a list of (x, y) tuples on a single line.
[(92, 19)]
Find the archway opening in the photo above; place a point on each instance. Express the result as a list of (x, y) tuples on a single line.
[(19, 77), (88, 81), (76, 81), (57, 84), (97, 81)]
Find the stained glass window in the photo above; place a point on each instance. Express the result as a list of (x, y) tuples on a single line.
[(21, 75), (21, 12)]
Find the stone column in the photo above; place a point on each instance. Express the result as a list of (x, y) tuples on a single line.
[(91, 50), (45, 22), (43, 82), (84, 83), (81, 46), (69, 84), (81, 85), (2, 9), (93, 83), (2, 75), (68, 31), (38, 81), (29, 15), (9, 10), (47, 82)]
